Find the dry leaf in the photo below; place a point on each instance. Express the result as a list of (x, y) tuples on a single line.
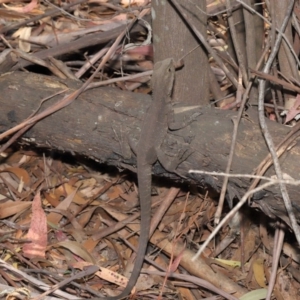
[(127, 3), (23, 34), (22, 174), (77, 249), (37, 233), (54, 217), (10, 208), (259, 273), (26, 9)]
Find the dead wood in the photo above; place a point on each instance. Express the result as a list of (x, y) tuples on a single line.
[(100, 122), (169, 20), (97, 38)]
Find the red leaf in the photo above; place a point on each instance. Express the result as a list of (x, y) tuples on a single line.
[(37, 233)]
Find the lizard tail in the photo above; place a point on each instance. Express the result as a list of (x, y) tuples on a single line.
[(145, 172)]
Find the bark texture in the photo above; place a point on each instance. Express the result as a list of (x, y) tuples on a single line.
[(99, 123)]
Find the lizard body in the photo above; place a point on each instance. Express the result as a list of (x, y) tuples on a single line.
[(153, 131)]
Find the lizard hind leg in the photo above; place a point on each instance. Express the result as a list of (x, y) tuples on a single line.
[(169, 163)]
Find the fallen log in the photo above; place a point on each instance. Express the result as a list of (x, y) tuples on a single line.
[(101, 121)]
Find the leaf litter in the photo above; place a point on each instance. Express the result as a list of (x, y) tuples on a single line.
[(58, 219), (76, 217)]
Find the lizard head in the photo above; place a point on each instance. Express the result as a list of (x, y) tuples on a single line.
[(165, 70)]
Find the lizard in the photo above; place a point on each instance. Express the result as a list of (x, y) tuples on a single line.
[(148, 150), (153, 130)]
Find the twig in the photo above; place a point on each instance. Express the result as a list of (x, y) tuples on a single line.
[(89, 271), (52, 12), (203, 41), (231, 175), (265, 130), (24, 129), (195, 280), (173, 263), (235, 210), (36, 282), (125, 78), (278, 244), (59, 278), (161, 210), (236, 123), (68, 99), (276, 80), (278, 30), (230, 159), (237, 48), (280, 149), (223, 11)]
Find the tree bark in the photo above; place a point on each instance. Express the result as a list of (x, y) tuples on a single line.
[(172, 37)]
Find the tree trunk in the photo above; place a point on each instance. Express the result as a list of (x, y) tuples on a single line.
[(173, 38)]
